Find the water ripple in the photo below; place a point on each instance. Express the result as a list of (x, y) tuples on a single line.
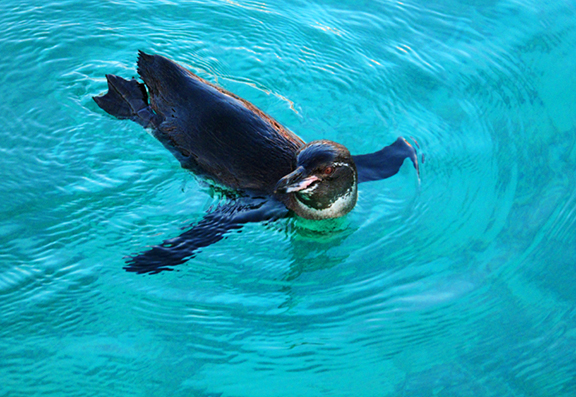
[(459, 282)]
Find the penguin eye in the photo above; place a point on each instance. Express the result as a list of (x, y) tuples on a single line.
[(328, 170)]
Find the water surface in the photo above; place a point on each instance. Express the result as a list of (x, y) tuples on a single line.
[(457, 284)]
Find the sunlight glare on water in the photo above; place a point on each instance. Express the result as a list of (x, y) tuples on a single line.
[(457, 282)]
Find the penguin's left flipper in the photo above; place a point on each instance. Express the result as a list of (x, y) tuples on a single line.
[(211, 229), (386, 162)]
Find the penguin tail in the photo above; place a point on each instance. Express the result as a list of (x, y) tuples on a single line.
[(126, 99), (162, 76), (149, 67)]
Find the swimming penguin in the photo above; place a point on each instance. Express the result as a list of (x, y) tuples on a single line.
[(226, 139)]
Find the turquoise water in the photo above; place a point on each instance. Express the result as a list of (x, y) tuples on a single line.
[(460, 284)]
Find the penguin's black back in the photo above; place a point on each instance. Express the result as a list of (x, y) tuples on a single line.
[(218, 134)]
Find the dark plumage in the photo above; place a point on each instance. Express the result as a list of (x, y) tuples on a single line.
[(218, 135)]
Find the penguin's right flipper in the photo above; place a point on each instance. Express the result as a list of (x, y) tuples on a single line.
[(211, 229), (385, 162)]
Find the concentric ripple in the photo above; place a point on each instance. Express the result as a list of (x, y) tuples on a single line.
[(457, 282)]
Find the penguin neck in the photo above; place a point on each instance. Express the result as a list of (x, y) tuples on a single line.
[(341, 206)]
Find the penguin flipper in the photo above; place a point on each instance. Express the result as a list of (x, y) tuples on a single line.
[(385, 162), (211, 229)]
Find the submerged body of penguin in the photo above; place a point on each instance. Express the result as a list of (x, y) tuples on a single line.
[(220, 136)]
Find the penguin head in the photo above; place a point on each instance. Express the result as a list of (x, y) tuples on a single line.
[(324, 183)]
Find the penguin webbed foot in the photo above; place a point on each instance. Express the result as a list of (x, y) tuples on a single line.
[(127, 99), (211, 229)]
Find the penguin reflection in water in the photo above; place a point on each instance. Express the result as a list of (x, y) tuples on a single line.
[(224, 138)]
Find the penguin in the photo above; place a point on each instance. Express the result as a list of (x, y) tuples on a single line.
[(231, 143)]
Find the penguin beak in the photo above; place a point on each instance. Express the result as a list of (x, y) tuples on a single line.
[(295, 181)]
